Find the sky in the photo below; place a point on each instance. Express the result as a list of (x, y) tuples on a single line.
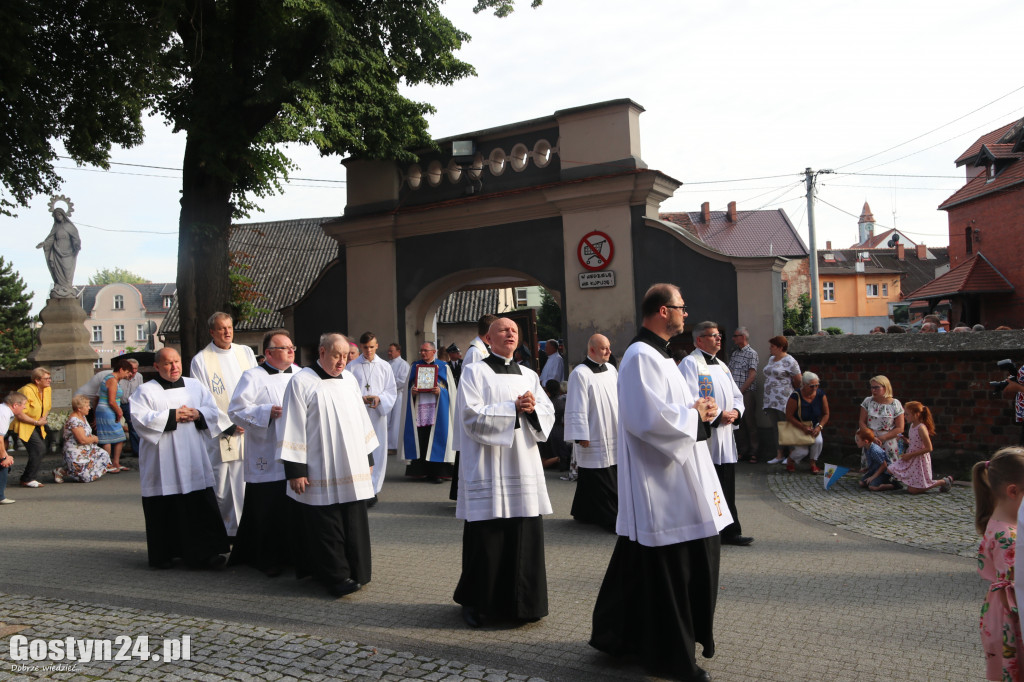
[(740, 97)]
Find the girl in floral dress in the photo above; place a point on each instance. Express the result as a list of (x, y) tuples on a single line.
[(914, 467), (998, 490), (84, 461)]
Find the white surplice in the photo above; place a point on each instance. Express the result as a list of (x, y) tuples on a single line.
[(229, 475), (258, 391), (500, 472), (396, 418), (325, 427), (668, 489), (476, 352), (592, 414), (173, 462), (377, 378), (727, 396)]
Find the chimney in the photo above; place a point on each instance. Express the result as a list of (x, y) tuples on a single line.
[(922, 252), (705, 212), (900, 249), (828, 246), (732, 211)]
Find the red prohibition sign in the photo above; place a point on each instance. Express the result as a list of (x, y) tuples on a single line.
[(595, 251)]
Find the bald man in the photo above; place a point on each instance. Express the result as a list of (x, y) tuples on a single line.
[(591, 424)]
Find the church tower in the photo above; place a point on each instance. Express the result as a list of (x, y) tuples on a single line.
[(866, 224)]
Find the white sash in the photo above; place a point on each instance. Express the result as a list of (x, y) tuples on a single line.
[(230, 446)]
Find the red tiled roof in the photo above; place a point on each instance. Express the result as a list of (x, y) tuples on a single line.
[(755, 233), (873, 242), (1002, 151), (974, 276), (979, 185), (987, 138)]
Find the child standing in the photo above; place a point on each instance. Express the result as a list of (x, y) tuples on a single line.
[(914, 467), (875, 477), (998, 489)]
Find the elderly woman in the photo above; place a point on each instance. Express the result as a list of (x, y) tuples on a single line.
[(883, 414), (109, 414), (809, 404), (31, 424), (84, 461), (781, 376)]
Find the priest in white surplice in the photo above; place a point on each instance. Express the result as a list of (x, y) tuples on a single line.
[(592, 426), (503, 413), (376, 382), (263, 532), (326, 444), (476, 352), (219, 366), (400, 368), (659, 592), (175, 418), (706, 374)]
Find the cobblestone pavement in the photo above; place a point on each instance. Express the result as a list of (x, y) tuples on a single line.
[(943, 522), (829, 590)]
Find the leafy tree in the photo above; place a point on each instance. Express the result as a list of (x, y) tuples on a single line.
[(16, 339), (798, 317), (112, 275), (241, 79), (834, 331), (549, 317)]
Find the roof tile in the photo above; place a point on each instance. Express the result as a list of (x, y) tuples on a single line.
[(755, 233)]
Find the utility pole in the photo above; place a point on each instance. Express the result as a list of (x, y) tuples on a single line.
[(810, 176)]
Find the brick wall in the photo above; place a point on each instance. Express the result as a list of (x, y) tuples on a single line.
[(949, 373)]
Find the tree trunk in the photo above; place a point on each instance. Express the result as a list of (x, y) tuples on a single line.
[(205, 221)]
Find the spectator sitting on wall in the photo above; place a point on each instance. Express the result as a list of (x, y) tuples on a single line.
[(877, 330), (962, 329), (1004, 328), (895, 329), (937, 321), (978, 328), (929, 328)]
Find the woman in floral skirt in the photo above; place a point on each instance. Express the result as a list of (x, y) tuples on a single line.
[(84, 461)]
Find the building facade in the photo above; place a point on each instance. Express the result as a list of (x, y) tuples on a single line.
[(125, 317)]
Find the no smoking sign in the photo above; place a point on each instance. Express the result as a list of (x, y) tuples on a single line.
[(595, 251)]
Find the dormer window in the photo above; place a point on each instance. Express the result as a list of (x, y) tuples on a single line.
[(118, 302), (167, 301), (990, 170)]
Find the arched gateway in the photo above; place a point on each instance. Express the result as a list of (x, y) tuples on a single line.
[(510, 206)]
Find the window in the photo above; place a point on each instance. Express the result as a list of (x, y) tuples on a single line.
[(118, 333), (872, 290), (969, 239), (118, 302), (167, 301), (828, 291), (97, 334), (98, 364), (885, 291), (785, 290), (521, 297), (140, 332)]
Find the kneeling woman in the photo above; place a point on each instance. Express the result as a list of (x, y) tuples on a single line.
[(84, 461), (809, 404)]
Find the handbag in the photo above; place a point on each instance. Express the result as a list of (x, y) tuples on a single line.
[(790, 434)]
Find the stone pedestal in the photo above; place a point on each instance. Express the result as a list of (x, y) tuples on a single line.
[(64, 348)]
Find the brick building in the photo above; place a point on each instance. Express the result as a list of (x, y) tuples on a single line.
[(985, 235)]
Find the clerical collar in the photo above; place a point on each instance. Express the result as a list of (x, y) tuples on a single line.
[(322, 373), (270, 369), (165, 384), (710, 359), (659, 344), (502, 365), (595, 367)]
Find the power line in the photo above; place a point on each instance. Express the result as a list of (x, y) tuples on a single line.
[(144, 165)]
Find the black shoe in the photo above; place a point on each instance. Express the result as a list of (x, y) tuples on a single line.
[(435, 479), (217, 562), (699, 676), (472, 616), (346, 586), (372, 502), (738, 540)]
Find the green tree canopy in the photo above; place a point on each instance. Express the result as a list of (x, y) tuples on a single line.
[(16, 339), (798, 317), (111, 275), (549, 317), (240, 79)]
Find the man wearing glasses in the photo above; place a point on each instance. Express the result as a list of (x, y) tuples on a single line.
[(708, 376), (262, 539)]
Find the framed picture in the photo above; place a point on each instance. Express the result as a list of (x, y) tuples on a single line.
[(426, 378)]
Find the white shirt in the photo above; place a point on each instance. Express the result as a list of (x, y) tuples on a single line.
[(592, 414), (500, 472), (256, 393), (173, 462), (668, 489), (727, 396), (553, 369), (91, 388)]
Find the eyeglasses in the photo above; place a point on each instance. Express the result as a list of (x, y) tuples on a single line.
[(290, 349), (677, 307), (876, 388), (712, 336)]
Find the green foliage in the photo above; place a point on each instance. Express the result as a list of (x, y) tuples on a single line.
[(798, 317), (834, 331), (16, 338), (549, 317), (244, 296), (112, 275)]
